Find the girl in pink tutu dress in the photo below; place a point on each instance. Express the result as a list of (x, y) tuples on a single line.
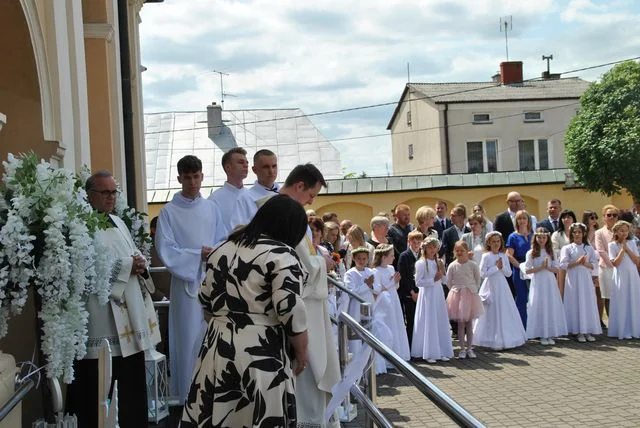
[(463, 303)]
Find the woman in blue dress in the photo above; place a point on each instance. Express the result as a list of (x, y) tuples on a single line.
[(518, 243)]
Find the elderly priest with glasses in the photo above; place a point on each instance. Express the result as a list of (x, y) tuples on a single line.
[(127, 321)]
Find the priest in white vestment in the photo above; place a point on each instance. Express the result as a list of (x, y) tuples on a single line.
[(236, 167), (265, 167), (127, 321), (313, 387), (188, 229)]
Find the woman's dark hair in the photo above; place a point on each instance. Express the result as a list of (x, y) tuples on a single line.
[(586, 216), (317, 223), (280, 218), (563, 214)]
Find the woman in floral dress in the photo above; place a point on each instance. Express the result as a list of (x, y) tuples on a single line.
[(244, 375)]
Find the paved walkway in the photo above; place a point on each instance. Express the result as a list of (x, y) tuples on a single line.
[(570, 384)]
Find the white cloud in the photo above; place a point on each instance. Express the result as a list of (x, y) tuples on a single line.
[(340, 54)]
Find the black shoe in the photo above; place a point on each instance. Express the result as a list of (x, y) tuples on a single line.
[(603, 325)]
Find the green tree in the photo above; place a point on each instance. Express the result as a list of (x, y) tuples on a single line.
[(603, 140)]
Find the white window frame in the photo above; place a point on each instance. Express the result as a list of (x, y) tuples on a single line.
[(536, 153), (478, 121), (485, 157), (532, 120)]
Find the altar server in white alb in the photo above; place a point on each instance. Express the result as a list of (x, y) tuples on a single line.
[(188, 229), (127, 321), (265, 167), (236, 166)]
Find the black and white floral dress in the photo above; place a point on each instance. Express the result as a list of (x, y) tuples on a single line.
[(243, 376)]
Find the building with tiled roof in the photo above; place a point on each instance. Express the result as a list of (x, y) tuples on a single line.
[(209, 134), (476, 127)]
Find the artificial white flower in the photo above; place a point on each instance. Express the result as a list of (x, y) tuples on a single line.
[(47, 239)]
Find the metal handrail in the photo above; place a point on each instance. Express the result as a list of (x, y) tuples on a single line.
[(455, 411), (373, 410), (341, 287), (16, 398)]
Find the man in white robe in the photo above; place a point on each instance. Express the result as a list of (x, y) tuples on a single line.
[(236, 167), (188, 229), (265, 167), (313, 385), (127, 321)]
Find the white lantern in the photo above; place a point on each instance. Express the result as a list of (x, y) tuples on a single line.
[(155, 365)]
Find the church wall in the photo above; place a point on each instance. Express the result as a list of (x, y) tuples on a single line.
[(19, 91)]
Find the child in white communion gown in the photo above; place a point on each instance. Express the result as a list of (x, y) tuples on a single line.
[(499, 326), (359, 280), (545, 312), (388, 322), (580, 261), (431, 338), (624, 316)]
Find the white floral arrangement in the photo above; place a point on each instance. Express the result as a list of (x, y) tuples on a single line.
[(47, 240), (137, 223)]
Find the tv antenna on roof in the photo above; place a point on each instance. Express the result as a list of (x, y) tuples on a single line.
[(222, 92), (506, 25)]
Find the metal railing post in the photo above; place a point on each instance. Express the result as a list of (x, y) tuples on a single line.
[(370, 375), (349, 411)]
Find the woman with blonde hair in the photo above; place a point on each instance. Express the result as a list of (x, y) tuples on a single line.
[(331, 236), (356, 239), (425, 219), (518, 243), (603, 236)]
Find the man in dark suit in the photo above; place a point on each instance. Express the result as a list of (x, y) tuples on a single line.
[(441, 222), (453, 234), (504, 223), (399, 231), (554, 207), (407, 290)]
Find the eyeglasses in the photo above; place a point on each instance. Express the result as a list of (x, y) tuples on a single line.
[(106, 193), (594, 217), (611, 214)]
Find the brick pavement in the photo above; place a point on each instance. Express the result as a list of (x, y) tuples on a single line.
[(569, 384)]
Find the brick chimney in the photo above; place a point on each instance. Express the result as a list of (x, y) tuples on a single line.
[(510, 72)]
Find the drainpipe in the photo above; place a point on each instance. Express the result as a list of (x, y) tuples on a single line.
[(446, 137), (127, 109)]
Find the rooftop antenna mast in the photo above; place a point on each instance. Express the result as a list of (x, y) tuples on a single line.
[(506, 25), (222, 92)]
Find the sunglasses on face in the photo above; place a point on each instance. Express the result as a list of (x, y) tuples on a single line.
[(611, 214), (594, 217)]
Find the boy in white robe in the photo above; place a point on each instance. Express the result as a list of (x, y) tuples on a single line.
[(236, 167), (188, 229), (265, 167)]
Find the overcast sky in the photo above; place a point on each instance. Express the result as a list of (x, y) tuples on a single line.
[(338, 54)]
